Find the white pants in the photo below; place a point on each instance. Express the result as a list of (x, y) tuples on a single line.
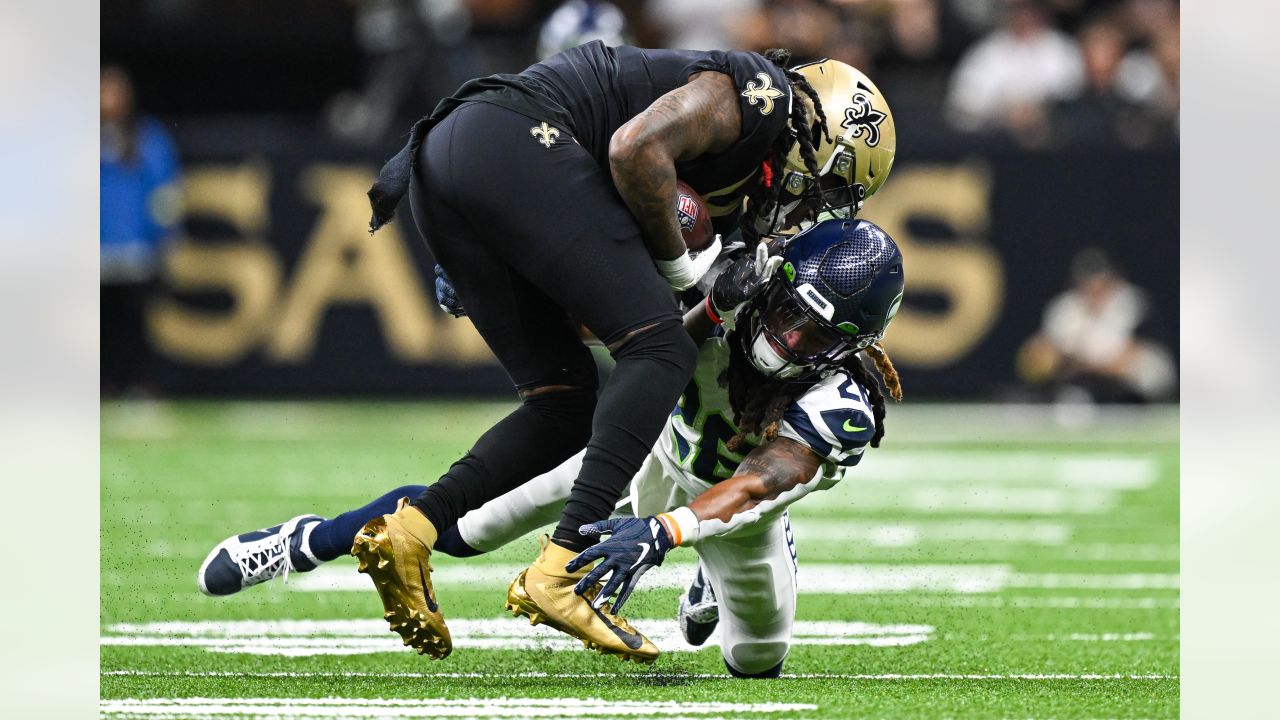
[(753, 572)]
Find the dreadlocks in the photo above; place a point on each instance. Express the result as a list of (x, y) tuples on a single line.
[(758, 402), (764, 195)]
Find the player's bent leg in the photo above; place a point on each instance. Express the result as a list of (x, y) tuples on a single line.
[(395, 551), (521, 511), (754, 580), (544, 593), (653, 367), (298, 545)]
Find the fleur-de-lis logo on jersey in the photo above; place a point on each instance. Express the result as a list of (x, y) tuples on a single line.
[(545, 134), (861, 117), (764, 91)]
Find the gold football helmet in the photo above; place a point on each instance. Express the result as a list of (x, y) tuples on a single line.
[(857, 160)]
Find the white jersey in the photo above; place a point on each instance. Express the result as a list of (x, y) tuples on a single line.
[(833, 419)]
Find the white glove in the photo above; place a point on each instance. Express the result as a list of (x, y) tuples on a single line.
[(684, 272)]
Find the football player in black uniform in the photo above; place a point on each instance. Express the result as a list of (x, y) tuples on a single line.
[(547, 198)]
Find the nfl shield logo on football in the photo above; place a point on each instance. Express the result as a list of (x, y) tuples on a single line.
[(687, 212)]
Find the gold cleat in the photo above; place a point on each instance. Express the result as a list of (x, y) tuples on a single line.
[(394, 550), (543, 592)]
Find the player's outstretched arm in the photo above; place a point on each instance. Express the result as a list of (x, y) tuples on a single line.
[(699, 117), (775, 474), (770, 478)]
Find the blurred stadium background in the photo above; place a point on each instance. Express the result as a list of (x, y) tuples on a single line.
[(1034, 193)]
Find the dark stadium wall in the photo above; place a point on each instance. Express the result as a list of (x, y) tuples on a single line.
[(276, 288)]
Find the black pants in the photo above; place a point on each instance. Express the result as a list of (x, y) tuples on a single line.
[(534, 237)]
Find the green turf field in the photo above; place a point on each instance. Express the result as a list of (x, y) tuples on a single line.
[(985, 562)]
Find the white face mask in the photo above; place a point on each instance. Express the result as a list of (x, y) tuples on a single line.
[(768, 361)]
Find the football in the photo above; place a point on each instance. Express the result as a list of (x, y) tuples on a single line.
[(695, 220)]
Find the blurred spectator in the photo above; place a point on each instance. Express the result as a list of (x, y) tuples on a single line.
[(1008, 78), (581, 21), (403, 43), (1148, 74), (701, 25), (1090, 340), (140, 206), (810, 29), (1126, 95)]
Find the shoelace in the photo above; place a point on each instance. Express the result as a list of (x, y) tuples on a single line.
[(266, 562)]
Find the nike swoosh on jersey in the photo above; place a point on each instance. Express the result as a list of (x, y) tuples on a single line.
[(848, 426)]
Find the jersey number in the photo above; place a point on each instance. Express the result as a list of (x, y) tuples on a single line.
[(712, 460)]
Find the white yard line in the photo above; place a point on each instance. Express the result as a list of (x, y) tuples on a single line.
[(626, 675), (1112, 471), (908, 534), (309, 638), (977, 499), (1057, 602), (864, 578), (432, 708)]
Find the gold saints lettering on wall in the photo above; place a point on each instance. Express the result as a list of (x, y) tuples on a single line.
[(282, 317), (966, 271), (281, 314)]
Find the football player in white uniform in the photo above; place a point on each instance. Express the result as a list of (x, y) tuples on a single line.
[(722, 475), (781, 404)]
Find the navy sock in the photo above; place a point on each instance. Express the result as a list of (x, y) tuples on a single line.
[(332, 538), (450, 542)]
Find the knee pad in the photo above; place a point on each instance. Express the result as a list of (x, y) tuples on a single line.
[(755, 659), (666, 340)]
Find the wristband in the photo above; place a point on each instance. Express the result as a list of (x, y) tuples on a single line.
[(681, 526), (711, 312), (680, 273)]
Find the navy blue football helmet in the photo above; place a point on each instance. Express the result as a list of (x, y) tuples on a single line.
[(839, 287)]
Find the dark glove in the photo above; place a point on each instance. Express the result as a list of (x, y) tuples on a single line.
[(740, 282), (446, 298), (636, 545)]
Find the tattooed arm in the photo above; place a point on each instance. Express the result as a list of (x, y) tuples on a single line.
[(772, 472), (699, 117)]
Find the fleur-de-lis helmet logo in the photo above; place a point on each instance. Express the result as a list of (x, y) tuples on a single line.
[(862, 118), (545, 134), (763, 91)]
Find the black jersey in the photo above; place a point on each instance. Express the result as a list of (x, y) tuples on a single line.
[(591, 90), (601, 88)]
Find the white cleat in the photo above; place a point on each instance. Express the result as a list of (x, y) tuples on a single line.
[(699, 612), (252, 558)]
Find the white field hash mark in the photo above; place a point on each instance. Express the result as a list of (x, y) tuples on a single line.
[(198, 708), (306, 638)]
